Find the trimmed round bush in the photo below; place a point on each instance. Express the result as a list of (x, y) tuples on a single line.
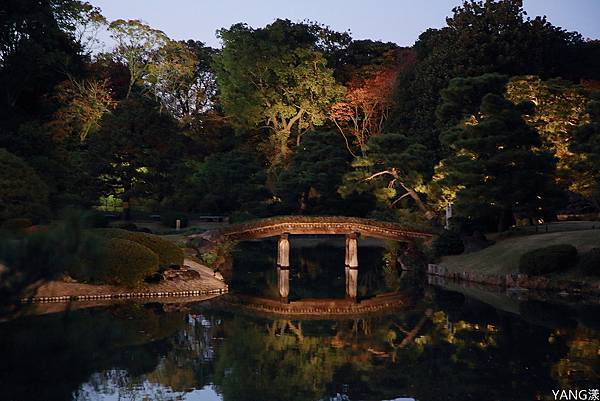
[(170, 218), (546, 260), (447, 243), (589, 262), (168, 253), (125, 263)]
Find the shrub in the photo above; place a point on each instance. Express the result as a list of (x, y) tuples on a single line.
[(125, 263), (168, 253), (16, 224), (550, 259), (589, 262), (447, 243), (217, 254), (41, 255), (170, 218), (22, 192)]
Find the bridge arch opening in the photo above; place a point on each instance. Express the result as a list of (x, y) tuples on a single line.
[(352, 230)]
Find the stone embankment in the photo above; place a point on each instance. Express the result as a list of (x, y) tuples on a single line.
[(193, 280), (517, 281)]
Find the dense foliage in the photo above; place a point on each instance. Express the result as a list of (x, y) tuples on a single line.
[(495, 164), (28, 260), (493, 112), (22, 192)]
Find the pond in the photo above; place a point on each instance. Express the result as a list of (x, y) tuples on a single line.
[(447, 344)]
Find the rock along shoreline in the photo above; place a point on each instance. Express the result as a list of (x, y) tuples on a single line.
[(517, 281)]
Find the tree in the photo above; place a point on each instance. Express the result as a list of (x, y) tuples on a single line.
[(364, 111), (37, 50), (495, 164), (137, 46), (22, 193), (360, 56), (586, 142), (223, 183), (480, 37), (560, 107), (88, 24), (275, 78), (135, 152), (114, 72), (309, 184), (182, 79), (84, 103), (393, 170)]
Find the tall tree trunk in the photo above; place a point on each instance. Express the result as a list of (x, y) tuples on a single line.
[(429, 215)]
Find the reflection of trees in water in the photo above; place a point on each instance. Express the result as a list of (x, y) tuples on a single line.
[(274, 361), (444, 348), (580, 366), (291, 360), (48, 357), (423, 353)]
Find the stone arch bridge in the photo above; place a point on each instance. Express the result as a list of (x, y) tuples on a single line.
[(283, 226)]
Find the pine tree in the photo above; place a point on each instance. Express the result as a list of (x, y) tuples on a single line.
[(496, 167)]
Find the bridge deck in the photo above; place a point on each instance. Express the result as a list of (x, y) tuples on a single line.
[(317, 225)]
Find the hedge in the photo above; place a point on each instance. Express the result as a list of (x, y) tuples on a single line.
[(168, 253), (125, 263), (546, 260)]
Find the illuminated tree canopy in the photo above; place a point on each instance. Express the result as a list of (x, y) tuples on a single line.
[(275, 78), (298, 118)]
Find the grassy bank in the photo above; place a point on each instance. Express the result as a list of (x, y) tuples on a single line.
[(503, 257)]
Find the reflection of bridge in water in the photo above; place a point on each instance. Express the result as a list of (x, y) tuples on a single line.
[(284, 226), (312, 308)]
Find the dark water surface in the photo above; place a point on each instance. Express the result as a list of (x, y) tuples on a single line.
[(444, 346)]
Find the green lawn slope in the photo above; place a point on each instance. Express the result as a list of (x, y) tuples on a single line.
[(503, 257)]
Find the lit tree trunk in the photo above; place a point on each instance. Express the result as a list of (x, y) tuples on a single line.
[(429, 215)]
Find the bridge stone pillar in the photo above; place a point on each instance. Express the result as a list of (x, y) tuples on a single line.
[(351, 282), (283, 266), (351, 267), (283, 251), (283, 282), (351, 250)]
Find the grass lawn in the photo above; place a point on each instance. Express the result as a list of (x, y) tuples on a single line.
[(503, 257)]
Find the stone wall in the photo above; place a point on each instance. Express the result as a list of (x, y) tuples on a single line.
[(516, 280)]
